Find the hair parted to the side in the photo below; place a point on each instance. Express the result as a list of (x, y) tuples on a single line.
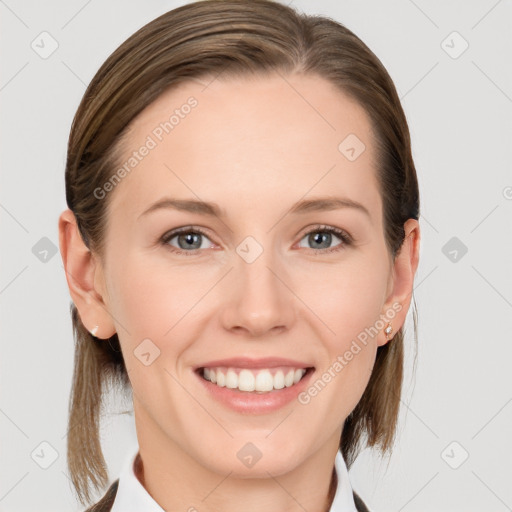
[(229, 38)]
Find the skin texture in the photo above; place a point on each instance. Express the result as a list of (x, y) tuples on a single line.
[(255, 147)]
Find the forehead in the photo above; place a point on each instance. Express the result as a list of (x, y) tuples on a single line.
[(248, 140)]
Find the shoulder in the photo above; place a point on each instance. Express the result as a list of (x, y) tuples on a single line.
[(360, 505), (105, 504)]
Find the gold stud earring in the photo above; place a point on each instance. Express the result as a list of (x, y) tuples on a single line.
[(94, 330), (388, 330)]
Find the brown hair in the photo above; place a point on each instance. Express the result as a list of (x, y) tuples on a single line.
[(235, 38)]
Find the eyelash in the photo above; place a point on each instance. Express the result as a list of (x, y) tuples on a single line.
[(346, 239)]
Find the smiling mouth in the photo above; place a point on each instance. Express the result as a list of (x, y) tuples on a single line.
[(263, 380)]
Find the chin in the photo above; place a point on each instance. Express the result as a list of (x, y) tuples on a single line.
[(248, 459)]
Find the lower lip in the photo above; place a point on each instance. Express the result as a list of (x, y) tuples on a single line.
[(251, 402)]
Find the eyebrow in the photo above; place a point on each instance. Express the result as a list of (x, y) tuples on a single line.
[(214, 210)]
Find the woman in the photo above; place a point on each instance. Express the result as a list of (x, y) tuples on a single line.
[(240, 247)]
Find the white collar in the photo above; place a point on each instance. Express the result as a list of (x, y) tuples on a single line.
[(131, 495)]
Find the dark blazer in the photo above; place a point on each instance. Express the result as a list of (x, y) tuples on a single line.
[(106, 503)]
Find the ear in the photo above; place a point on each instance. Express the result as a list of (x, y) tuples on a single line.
[(401, 281), (85, 277)]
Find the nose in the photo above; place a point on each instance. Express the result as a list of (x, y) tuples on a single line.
[(258, 299)]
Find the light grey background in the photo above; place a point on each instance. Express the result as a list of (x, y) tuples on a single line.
[(459, 111)]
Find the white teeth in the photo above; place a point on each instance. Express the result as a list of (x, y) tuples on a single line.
[(264, 381), (231, 379), (279, 380), (288, 380), (253, 380), (246, 381)]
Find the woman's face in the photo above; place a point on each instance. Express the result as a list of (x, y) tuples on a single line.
[(282, 162)]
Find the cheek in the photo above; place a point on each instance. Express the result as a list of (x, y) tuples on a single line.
[(346, 298), (156, 301), (348, 304)]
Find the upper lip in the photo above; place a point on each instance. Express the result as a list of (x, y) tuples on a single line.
[(247, 362)]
